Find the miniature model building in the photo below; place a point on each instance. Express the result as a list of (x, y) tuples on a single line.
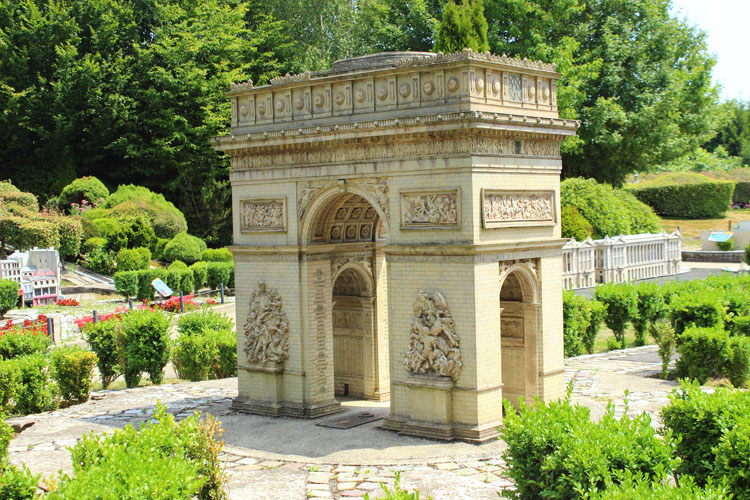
[(397, 237), (37, 271)]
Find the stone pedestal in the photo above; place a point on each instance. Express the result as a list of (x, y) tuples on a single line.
[(431, 408)]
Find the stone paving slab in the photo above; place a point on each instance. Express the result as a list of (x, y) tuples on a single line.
[(286, 458)]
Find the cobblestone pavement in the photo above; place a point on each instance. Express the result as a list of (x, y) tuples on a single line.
[(284, 458)]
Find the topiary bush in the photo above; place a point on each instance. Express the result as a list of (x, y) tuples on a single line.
[(112, 231), (92, 243), (651, 307), (6, 434), (102, 337), (704, 353), (608, 212), (133, 259), (576, 320), (72, 368), (725, 246), (218, 273), (164, 460), (574, 225), (18, 342), (699, 420), (738, 364), (138, 232), (555, 451), (665, 337), (161, 243), (685, 194), (8, 295), (34, 393), (598, 313), (83, 188), (210, 354), (177, 265), (101, 261), (701, 308), (126, 283), (217, 255), (199, 270), (621, 301), (146, 345), (168, 225), (194, 323), (183, 247)]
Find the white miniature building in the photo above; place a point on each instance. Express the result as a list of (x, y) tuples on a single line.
[(621, 259), (38, 273)]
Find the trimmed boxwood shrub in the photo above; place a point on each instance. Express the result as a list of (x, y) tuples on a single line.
[(161, 243), (685, 194), (133, 259), (163, 460), (34, 393), (701, 308), (146, 345), (199, 270), (92, 243), (209, 354), (194, 323), (635, 487), (738, 364), (741, 179), (217, 255), (651, 307), (621, 301), (18, 342), (145, 277), (576, 320), (89, 188), (609, 213), (101, 261), (183, 247), (168, 225), (699, 420), (72, 368), (574, 225), (598, 313), (219, 272), (704, 353), (555, 451), (102, 337), (126, 283), (8, 295), (112, 231), (6, 434), (177, 265), (732, 462)]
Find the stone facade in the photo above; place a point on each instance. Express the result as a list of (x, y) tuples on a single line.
[(404, 207)]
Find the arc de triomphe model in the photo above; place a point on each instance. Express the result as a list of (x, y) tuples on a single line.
[(397, 236)]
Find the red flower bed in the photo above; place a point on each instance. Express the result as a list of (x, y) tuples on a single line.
[(67, 302), (104, 317), (172, 304), (28, 326)]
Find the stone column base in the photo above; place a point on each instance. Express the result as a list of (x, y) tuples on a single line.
[(261, 392)]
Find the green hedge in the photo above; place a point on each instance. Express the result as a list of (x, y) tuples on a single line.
[(133, 259), (8, 296), (741, 178), (609, 211), (555, 451), (686, 195), (704, 353), (220, 272), (574, 224), (126, 283), (217, 255), (18, 342), (184, 247)]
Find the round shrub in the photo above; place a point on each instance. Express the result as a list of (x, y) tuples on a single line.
[(35, 394), (218, 273), (738, 364), (685, 194), (199, 270), (138, 232), (576, 320), (704, 353), (168, 225), (89, 228), (102, 337), (101, 261), (90, 189), (133, 259), (608, 211), (177, 265), (701, 308), (194, 323), (93, 243), (112, 231), (126, 283), (621, 301), (217, 255), (8, 295), (574, 225), (183, 247)]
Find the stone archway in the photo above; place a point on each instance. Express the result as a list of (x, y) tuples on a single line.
[(519, 332)]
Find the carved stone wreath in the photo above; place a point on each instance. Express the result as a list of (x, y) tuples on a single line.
[(434, 344), (267, 328)]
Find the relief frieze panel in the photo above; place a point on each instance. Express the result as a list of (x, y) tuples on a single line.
[(433, 343), (517, 208), (430, 209), (263, 215), (405, 150), (266, 329)]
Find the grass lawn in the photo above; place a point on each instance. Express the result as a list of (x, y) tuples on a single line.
[(691, 228), (605, 334)]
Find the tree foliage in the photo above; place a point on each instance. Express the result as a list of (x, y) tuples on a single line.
[(462, 26)]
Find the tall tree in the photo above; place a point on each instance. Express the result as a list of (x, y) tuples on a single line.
[(733, 132), (638, 79), (462, 26), (385, 25)]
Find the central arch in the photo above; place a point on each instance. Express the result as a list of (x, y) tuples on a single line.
[(345, 233)]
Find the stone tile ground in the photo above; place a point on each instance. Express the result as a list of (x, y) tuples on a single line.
[(284, 458)]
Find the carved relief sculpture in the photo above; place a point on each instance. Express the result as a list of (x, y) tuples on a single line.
[(262, 215), (429, 209), (517, 208), (434, 344), (267, 328)]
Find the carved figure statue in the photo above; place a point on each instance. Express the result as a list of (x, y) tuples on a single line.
[(266, 328), (434, 344)]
